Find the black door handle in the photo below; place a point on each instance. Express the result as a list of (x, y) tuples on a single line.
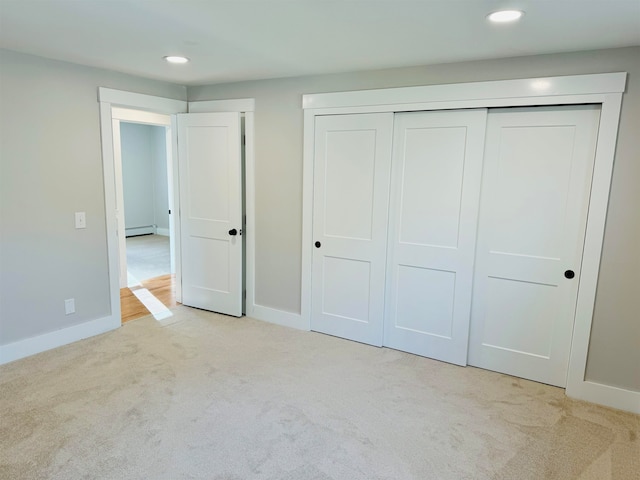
[(569, 274), (233, 231), (318, 244)]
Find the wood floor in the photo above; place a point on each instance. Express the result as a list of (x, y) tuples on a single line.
[(163, 288)]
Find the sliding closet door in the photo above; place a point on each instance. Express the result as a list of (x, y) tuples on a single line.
[(350, 211), (435, 188), (535, 196)]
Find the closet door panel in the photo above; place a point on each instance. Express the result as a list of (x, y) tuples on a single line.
[(536, 188), (424, 303), (349, 180), (435, 186), (350, 214), (432, 168)]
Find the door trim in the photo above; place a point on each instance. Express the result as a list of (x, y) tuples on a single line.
[(603, 89)]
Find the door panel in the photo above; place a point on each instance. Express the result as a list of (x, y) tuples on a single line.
[(349, 180), (351, 195), (435, 186), (536, 186), (433, 164), (211, 205), (425, 301), (346, 288)]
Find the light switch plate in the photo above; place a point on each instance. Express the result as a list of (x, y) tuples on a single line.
[(70, 306), (81, 220)]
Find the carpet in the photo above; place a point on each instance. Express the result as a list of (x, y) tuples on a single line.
[(216, 397)]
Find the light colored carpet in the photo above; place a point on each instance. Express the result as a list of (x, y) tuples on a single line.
[(215, 397), (148, 256)]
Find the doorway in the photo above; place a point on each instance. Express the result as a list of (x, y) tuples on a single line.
[(189, 188), (143, 167)]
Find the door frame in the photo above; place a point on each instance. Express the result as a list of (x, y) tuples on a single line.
[(108, 100), (602, 89)]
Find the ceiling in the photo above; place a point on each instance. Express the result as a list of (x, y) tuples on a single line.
[(237, 40)]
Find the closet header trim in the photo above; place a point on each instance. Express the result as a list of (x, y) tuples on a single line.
[(475, 91)]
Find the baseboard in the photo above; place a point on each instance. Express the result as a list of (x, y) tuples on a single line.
[(273, 315), (31, 346), (162, 231), (132, 232), (606, 395)]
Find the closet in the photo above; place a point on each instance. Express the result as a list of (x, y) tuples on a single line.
[(454, 234)]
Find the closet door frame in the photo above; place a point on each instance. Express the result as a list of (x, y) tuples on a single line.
[(600, 89)]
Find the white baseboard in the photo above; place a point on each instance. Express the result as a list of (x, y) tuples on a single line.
[(606, 395), (132, 232), (273, 315), (58, 338), (162, 231)]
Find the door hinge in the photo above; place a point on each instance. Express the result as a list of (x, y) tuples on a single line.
[(169, 212), (244, 294), (244, 140)]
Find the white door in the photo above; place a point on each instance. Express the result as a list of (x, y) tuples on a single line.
[(209, 161), (435, 189), (350, 206), (535, 195)]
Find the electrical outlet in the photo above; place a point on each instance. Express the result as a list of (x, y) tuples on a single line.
[(70, 306)]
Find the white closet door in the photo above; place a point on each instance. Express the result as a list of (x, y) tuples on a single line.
[(350, 212), (535, 195), (211, 211), (435, 188)]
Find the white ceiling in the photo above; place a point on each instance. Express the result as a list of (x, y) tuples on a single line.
[(237, 40)]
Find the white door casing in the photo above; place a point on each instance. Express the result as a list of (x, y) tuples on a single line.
[(119, 211), (209, 157), (435, 188), (535, 198), (351, 195)]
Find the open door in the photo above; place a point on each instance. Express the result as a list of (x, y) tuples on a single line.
[(210, 170)]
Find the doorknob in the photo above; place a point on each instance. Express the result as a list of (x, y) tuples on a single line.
[(569, 274), (318, 244), (233, 231)]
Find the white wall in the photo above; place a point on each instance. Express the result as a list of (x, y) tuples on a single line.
[(144, 176), (51, 167), (614, 355)]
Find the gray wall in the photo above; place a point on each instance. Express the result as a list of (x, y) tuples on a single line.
[(144, 176), (160, 178), (614, 354), (51, 167)]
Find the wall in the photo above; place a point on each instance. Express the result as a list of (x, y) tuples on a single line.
[(144, 176), (614, 355), (51, 167), (160, 180), (137, 175)]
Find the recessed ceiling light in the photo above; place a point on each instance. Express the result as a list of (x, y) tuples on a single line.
[(176, 59), (503, 16)]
